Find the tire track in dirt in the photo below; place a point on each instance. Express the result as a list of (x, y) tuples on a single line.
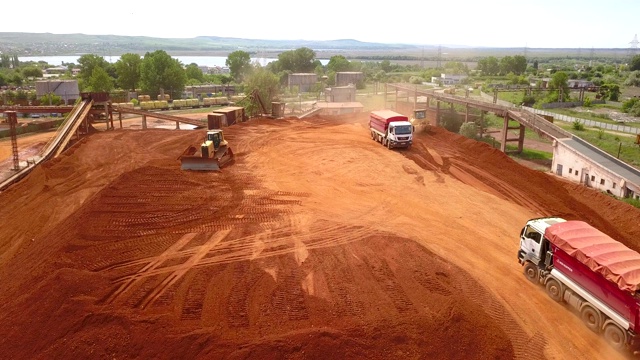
[(153, 268), (385, 277), (245, 278)]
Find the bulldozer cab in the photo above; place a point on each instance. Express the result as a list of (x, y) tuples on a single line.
[(419, 120), (215, 136), (420, 114)]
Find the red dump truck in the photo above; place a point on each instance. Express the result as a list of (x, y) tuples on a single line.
[(390, 129), (585, 268)]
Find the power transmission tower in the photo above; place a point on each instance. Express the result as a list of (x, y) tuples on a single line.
[(633, 50)]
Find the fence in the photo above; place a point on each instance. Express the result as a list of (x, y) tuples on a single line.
[(591, 123)]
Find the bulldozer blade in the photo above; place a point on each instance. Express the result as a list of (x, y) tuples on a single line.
[(199, 164), (190, 161)]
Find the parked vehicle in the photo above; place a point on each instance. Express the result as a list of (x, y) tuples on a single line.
[(585, 268), (391, 129)]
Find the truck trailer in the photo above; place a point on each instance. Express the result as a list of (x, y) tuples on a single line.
[(391, 129), (596, 275)]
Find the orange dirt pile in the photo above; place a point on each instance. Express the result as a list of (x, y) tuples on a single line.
[(316, 243)]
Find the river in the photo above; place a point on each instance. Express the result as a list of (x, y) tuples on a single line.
[(210, 61)]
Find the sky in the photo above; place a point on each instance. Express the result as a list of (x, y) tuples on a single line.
[(489, 23)]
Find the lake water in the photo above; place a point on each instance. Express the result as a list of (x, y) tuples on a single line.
[(186, 60)]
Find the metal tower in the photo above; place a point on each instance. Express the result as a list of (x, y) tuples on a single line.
[(633, 50)]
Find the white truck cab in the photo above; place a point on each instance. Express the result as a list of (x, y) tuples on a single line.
[(531, 238)]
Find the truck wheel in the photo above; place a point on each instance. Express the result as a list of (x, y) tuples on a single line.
[(531, 272), (373, 136), (614, 336), (554, 289), (591, 318), (388, 144)]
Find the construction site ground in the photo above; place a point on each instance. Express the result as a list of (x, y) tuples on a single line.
[(317, 242)]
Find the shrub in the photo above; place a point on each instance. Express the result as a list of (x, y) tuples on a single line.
[(577, 125), (451, 121), (416, 80), (600, 134), (586, 102), (469, 130), (528, 100)]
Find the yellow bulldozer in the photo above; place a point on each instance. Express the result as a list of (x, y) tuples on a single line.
[(420, 121), (214, 153)]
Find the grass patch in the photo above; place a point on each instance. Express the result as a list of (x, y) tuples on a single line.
[(613, 144), (514, 97), (632, 202), (526, 154), (530, 154)]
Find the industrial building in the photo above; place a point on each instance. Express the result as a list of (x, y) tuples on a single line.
[(344, 78), (67, 89), (304, 81), (581, 162), (340, 94)]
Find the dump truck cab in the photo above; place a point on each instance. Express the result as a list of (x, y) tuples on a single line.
[(533, 245)]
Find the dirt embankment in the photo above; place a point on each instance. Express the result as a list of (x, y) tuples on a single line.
[(316, 243)]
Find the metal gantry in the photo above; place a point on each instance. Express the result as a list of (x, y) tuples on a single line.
[(12, 118)]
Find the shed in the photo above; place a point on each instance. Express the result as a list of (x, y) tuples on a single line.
[(233, 114)]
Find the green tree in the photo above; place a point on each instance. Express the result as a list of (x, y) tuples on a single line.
[(635, 63), (385, 65), (239, 63), (16, 79), (633, 79), (88, 63), (338, 63), (489, 65), (612, 91), (559, 83), (5, 61), (128, 71), (456, 68), (160, 72), (266, 83), (100, 81), (32, 71), (193, 72), (519, 64), (51, 99), (507, 65), (301, 60)]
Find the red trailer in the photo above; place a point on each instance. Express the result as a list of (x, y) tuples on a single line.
[(595, 274), (390, 128)]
